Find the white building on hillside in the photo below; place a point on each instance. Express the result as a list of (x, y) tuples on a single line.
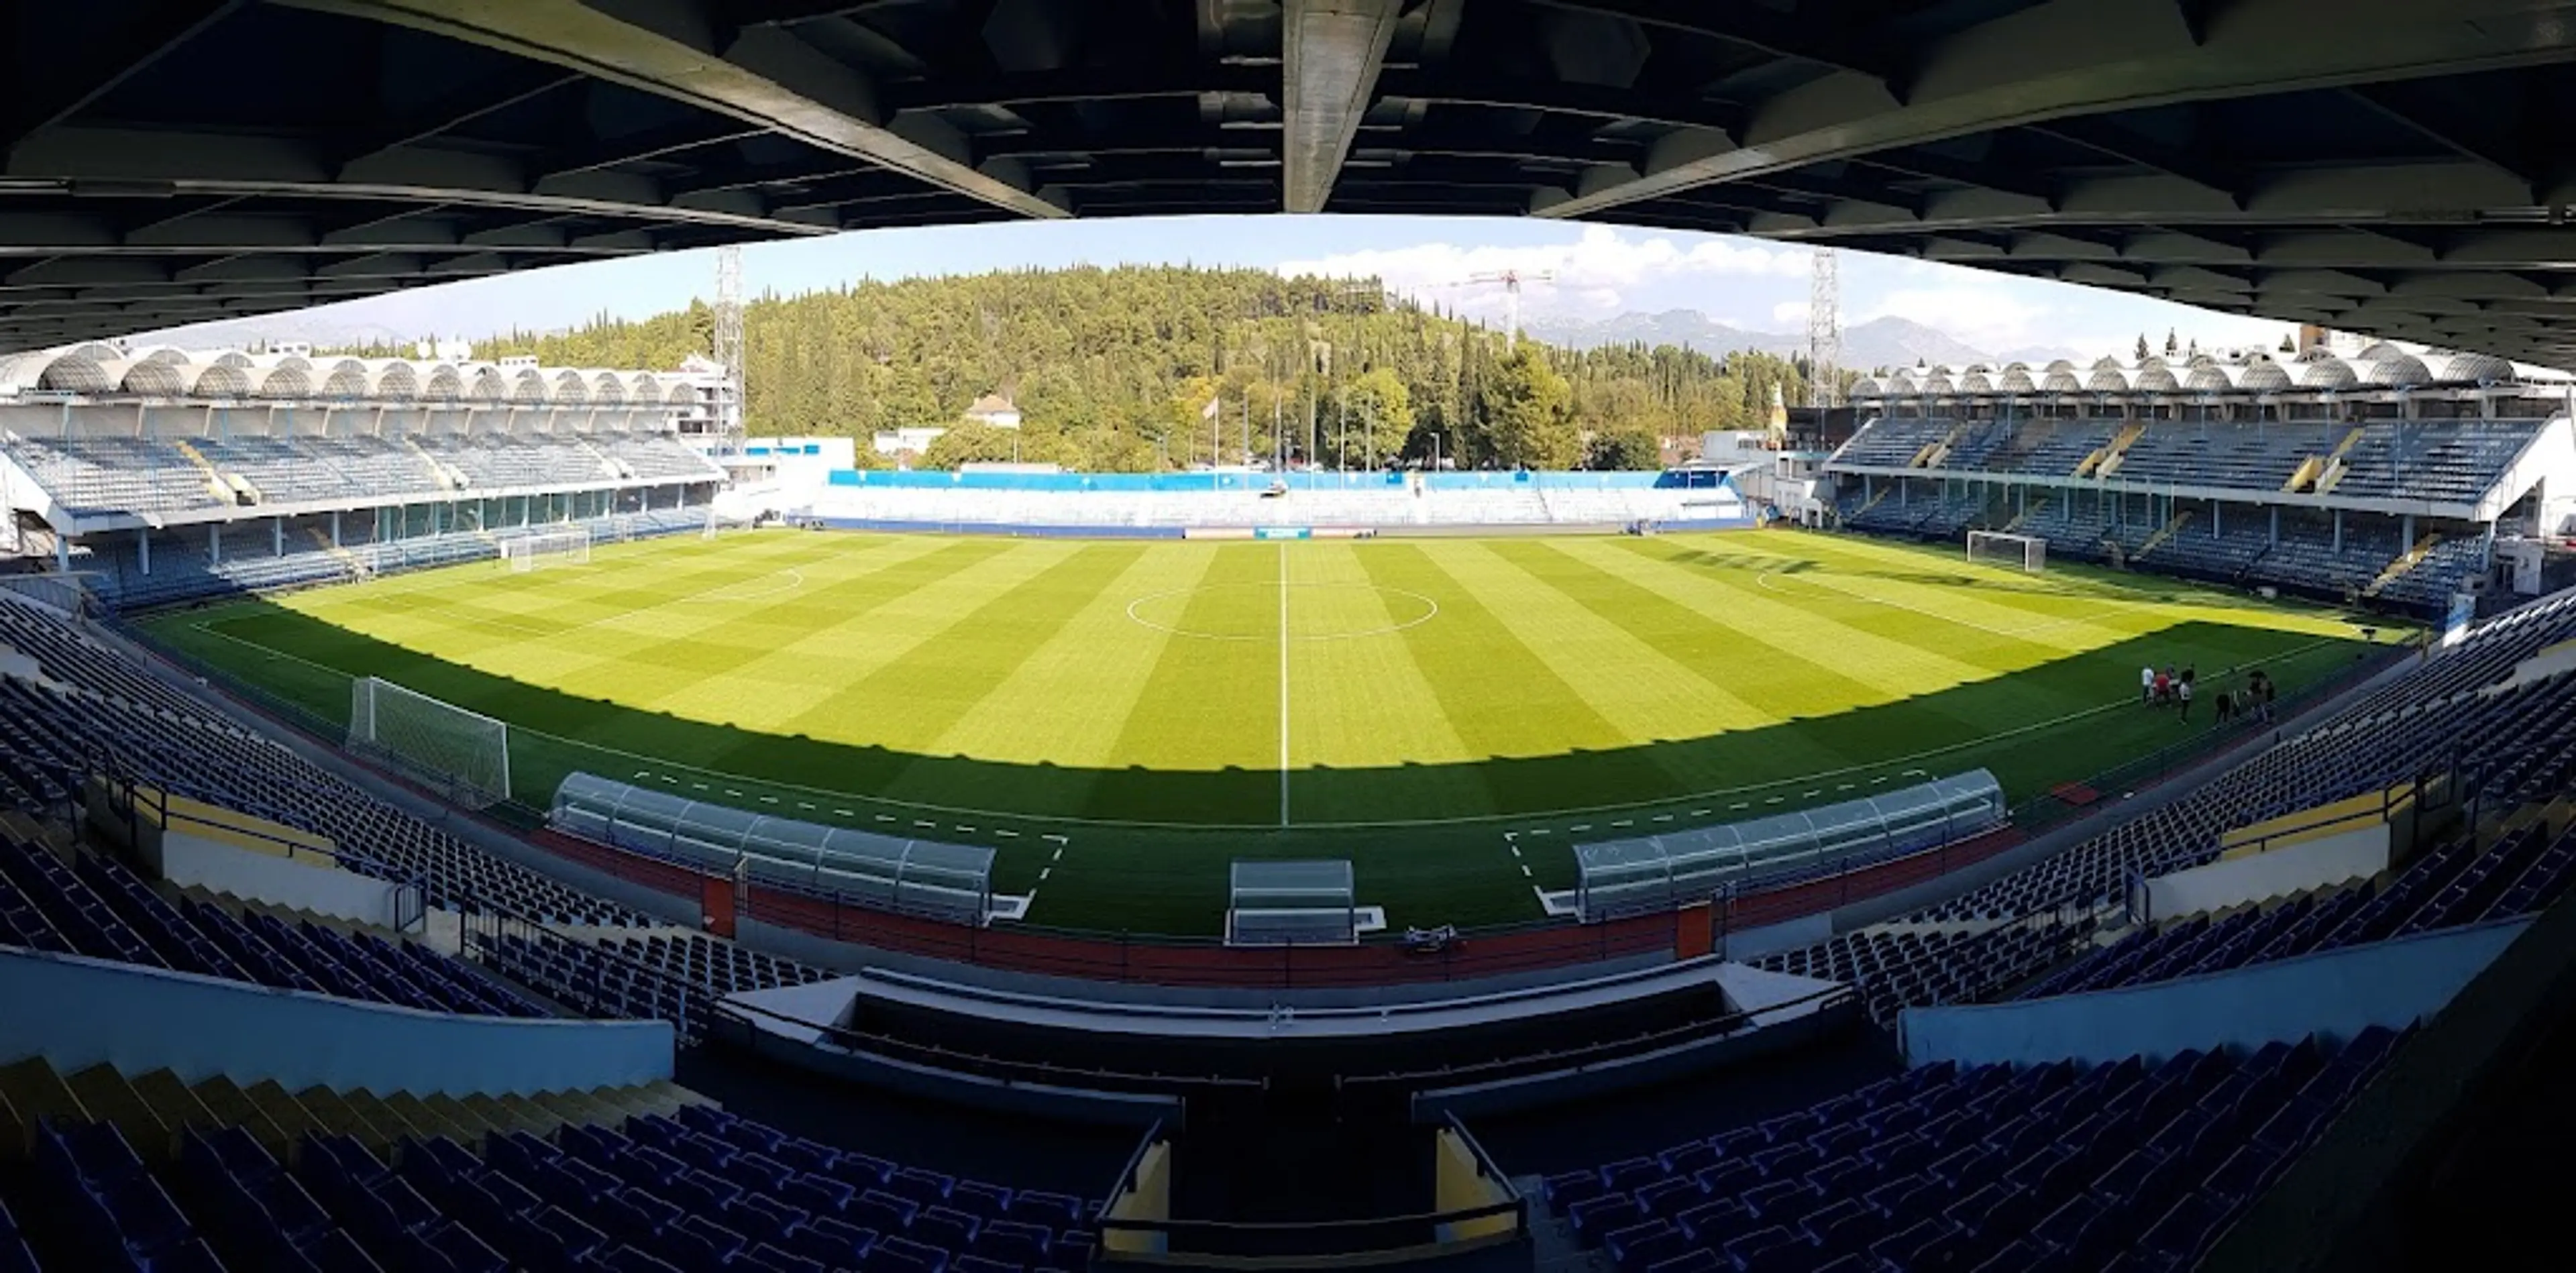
[(995, 410)]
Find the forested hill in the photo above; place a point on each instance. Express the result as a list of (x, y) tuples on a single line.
[(1114, 369)]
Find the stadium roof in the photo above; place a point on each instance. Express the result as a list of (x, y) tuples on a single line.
[(2383, 366), (2386, 166), (98, 369)]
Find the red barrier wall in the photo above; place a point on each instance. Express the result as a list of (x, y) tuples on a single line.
[(1180, 962)]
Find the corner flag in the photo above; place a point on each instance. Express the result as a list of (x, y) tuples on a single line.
[(1208, 412)]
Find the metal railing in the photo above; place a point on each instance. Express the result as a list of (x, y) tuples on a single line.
[(131, 800)]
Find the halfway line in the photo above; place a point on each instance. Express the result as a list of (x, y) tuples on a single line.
[(1283, 683)]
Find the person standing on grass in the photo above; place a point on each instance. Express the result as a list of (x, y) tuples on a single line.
[(2268, 691), (2147, 684), (2164, 686), (2225, 707), (2182, 695)]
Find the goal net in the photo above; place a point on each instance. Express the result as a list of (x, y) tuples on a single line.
[(546, 548), (464, 754), (2030, 552)]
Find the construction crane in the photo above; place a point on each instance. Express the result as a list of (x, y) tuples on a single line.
[(1511, 281)]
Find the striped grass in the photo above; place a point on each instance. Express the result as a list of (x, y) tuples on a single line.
[(1139, 702)]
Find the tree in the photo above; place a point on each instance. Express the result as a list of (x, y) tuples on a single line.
[(1625, 447), (2142, 348), (2287, 346), (1113, 366), (1527, 414), (971, 442), (1381, 419), (2172, 346)]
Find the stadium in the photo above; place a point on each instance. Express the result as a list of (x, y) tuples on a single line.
[(2063, 814)]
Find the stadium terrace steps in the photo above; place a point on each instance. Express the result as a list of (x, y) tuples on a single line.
[(195, 756), (2523, 741), (155, 1110), (2057, 1166), (2454, 461), (2405, 561), (2460, 882), (568, 1181), (97, 908)]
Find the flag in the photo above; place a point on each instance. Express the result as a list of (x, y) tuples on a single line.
[(1208, 412)]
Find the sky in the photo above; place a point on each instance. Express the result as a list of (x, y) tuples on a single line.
[(1600, 272)]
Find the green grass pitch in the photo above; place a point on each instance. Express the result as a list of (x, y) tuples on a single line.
[(1121, 719)]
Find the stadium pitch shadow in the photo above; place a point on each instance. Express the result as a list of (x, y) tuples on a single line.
[(1410, 826)]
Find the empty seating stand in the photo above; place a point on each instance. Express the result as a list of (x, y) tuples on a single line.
[(1992, 1167), (2454, 884), (629, 1182), (96, 907), (190, 753), (2521, 744), (674, 977)]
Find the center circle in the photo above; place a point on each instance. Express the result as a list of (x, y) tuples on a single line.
[(1254, 611)]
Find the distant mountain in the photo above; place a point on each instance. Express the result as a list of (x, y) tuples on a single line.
[(1902, 342), (1687, 328), (1879, 342)]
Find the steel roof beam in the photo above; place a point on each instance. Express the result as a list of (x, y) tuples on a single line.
[(763, 76), (2068, 58), (1334, 51), (1845, 36), (146, 163), (66, 79)]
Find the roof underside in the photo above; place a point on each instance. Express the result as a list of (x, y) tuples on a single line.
[(2388, 166)]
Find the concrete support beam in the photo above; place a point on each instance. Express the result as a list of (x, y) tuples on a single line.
[(1334, 50)]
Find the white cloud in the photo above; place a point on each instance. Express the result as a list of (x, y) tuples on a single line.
[(1595, 274), (1790, 315)]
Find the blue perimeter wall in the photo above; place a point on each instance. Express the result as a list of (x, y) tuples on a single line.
[(2393, 983), (941, 479), (77, 1012)]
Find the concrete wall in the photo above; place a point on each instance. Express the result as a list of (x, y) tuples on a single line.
[(79, 1012), (305, 884), (2340, 992), (2345, 855)]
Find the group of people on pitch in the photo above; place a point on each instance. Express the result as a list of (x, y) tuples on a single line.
[(2165, 687)]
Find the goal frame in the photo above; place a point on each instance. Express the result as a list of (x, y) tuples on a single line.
[(538, 549), (475, 786), (2031, 549)]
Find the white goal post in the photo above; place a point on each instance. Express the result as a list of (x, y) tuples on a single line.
[(538, 549), (466, 755), (2030, 552)]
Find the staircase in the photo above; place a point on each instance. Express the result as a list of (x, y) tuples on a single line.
[(2107, 457), (1934, 453), (2015, 525), (357, 565), (2320, 472), (446, 477), (609, 465), (1873, 502), (2406, 561), (2164, 532), (153, 1108), (227, 489)]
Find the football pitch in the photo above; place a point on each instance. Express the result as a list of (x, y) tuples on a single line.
[(1122, 719)]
